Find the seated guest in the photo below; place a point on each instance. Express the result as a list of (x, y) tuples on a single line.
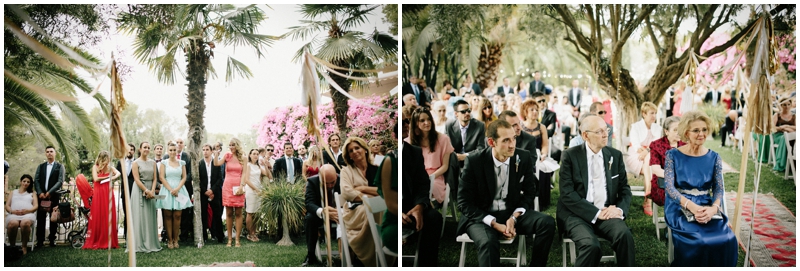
[(436, 149), (440, 113), (21, 208), (387, 178), (598, 109), (693, 176), (784, 123), (532, 126), (506, 208), (524, 140), (595, 197), (659, 148), (314, 215), (486, 112), (578, 140), (356, 181), (642, 133)]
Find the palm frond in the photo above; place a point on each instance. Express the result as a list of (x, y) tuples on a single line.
[(77, 82), (83, 124), (427, 35), (339, 48), (386, 42), (36, 130), (357, 17), (148, 41), (308, 47), (308, 28), (236, 68), (255, 41), (314, 10)]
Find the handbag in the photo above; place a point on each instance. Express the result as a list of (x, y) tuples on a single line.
[(690, 216), (661, 183), (60, 215), (45, 205)]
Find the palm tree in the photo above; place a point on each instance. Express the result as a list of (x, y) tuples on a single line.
[(343, 46), (163, 32)]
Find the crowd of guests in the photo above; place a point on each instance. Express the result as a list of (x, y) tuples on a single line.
[(484, 144)]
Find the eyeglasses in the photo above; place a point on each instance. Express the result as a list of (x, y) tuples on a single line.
[(465, 111), (487, 107), (697, 131), (270, 150), (601, 132), (540, 101), (601, 112)]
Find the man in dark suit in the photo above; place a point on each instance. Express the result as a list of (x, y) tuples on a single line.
[(47, 180), (713, 97), (211, 188), (332, 155), (546, 116), (413, 87), (536, 85), (595, 197), (475, 88), (574, 95), (314, 215), (495, 195), (187, 214), (505, 88), (288, 166), (128, 160), (467, 135), (525, 141)]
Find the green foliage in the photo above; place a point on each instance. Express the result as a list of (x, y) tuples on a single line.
[(281, 200), (716, 113), (390, 16)]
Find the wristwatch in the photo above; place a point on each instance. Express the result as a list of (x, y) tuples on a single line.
[(514, 218)]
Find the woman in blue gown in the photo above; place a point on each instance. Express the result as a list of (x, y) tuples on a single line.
[(693, 176)]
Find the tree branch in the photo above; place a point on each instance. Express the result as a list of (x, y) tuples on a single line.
[(730, 42), (577, 49), (569, 21), (652, 34), (678, 19)]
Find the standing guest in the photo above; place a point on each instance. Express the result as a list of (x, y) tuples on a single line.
[(128, 160), (564, 116), (211, 188), (521, 89), (288, 166), (302, 153), (173, 177), (315, 207), (413, 87), (158, 149), (506, 208), (642, 133), (658, 149), (713, 96), (536, 85), (575, 95), (97, 229), (356, 181), (266, 154), (233, 187), (375, 147), (506, 88), (532, 126), (47, 180), (595, 197), (487, 112), (435, 147), (332, 155), (694, 182), (440, 116), (21, 212), (186, 224), (252, 188), (524, 140), (312, 164), (143, 202), (218, 149)]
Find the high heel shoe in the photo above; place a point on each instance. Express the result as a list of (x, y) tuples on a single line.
[(647, 206), (169, 245)]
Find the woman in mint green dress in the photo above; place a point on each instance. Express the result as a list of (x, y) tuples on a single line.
[(173, 176), (143, 202)]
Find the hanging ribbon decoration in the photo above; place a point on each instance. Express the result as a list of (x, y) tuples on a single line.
[(327, 67)]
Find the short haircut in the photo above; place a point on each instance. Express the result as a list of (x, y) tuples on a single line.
[(523, 109), (50, 147), (669, 121), (273, 147), (132, 146), (287, 143), (648, 106), (459, 102), (689, 117), (580, 121), (207, 145), (536, 95), (595, 106), (496, 125), (585, 124), (260, 150), (331, 136), (30, 186), (158, 145), (506, 113)]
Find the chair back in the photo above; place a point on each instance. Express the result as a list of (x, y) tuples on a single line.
[(345, 242), (375, 205)]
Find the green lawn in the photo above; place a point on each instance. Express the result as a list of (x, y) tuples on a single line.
[(650, 251)]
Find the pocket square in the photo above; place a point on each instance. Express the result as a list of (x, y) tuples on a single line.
[(612, 177)]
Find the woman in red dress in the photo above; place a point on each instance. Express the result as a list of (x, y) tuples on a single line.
[(98, 235)]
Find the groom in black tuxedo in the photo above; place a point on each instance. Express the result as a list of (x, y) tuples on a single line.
[(495, 195), (595, 197), (211, 193)]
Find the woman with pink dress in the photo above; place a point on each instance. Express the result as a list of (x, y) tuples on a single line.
[(436, 149), (233, 188)]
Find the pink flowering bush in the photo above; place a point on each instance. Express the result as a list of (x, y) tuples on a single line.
[(709, 67), (289, 123), (786, 53)]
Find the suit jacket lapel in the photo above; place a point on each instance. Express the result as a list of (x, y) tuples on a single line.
[(457, 132), (582, 164), (609, 183), (491, 177)]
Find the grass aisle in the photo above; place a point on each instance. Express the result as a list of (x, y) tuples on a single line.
[(650, 251)]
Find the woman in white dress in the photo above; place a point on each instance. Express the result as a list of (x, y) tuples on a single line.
[(21, 212), (251, 190), (642, 133)]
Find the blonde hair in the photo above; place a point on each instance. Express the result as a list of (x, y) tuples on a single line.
[(313, 155), (346, 151), (238, 150), (689, 117), (646, 106)]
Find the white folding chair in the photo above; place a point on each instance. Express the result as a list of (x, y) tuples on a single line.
[(445, 203), (345, 249), (416, 254), (322, 254), (376, 205), (519, 260), (573, 254), (18, 242), (790, 157), (658, 221), (772, 147)]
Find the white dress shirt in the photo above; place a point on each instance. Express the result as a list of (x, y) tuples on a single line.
[(47, 177), (590, 190), (208, 172), (499, 202)]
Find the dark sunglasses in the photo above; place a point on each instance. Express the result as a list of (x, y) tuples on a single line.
[(270, 150), (465, 111), (540, 101), (488, 107), (601, 112)]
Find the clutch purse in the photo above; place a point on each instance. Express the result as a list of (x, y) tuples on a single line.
[(690, 216), (661, 183)]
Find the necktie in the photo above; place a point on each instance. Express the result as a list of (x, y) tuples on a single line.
[(290, 169), (598, 183), (463, 139), (502, 177), (179, 156)]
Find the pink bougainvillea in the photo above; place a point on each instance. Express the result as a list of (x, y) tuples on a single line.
[(709, 68), (289, 123)]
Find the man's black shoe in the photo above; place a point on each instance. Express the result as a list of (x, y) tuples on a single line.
[(38, 245), (311, 262), (52, 243)]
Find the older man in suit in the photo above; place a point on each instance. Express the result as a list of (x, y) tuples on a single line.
[(414, 87), (288, 166), (211, 189), (188, 214), (46, 181), (495, 195), (595, 197), (315, 208)]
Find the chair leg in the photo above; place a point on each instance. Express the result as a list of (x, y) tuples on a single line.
[(572, 253), (463, 254), (563, 254)]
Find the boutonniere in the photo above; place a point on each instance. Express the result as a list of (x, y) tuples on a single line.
[(611, 162), (516, 163)]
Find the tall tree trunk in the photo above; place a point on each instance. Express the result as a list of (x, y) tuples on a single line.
[(286, 240), (196, 69), (489, 61), (340, 105)]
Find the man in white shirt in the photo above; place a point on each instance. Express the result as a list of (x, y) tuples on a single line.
[(506, 208), (505, 88), (47, 180), (333, 149), (595, 197), (211, 195), (288, 166)]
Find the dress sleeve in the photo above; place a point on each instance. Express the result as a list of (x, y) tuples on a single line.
[(719, 181), (669, 178), (228, 157), (347, 184), (444, 141)]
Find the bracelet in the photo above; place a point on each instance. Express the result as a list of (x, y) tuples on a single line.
[(718, 207), (686, 203)]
